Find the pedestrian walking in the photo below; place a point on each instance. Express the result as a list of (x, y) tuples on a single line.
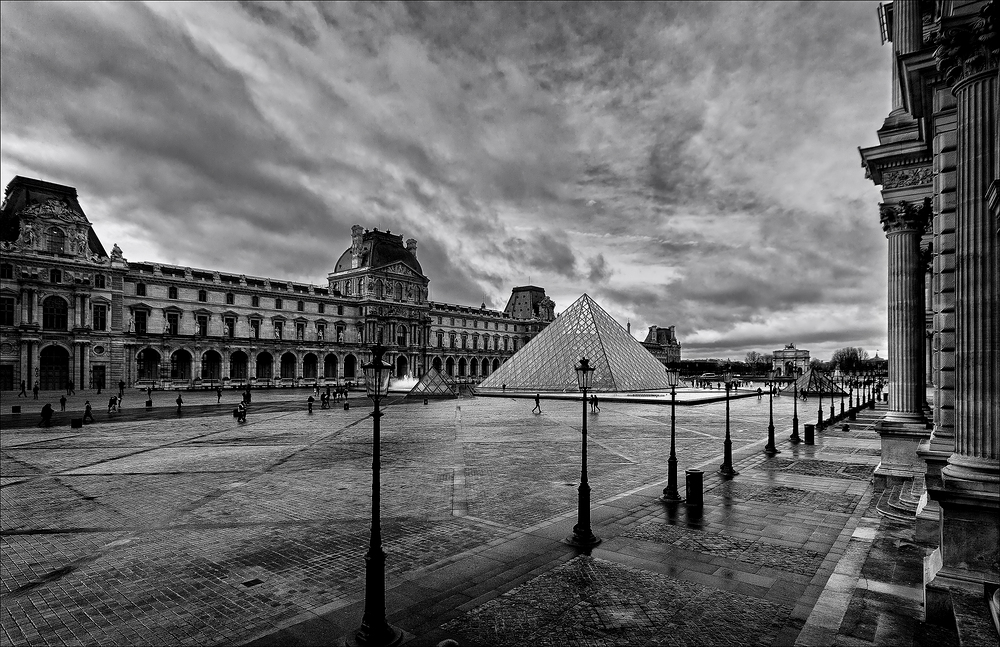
[(149, 392), (46, 415), (597, 405), (24, 389), (34, 391), (121, 388), (504, 387), (70, 388), (218, 392), (538, 404), (241, 412), (179, 402), (760, 394), (62, 403), (88, 412)]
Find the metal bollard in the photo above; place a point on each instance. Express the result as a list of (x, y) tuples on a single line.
[(810, 434), (76, 423), (15, 408), (695, 487), (347, 405)]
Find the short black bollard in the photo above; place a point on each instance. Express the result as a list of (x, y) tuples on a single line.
[(310, 401), (810, 434), (695, 487), (853, 415), (425, 400), (149, 404), (15, 408), (347, 405), (76, 423)]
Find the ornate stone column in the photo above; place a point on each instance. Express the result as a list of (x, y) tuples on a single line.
[(905, 425), (969, 491)]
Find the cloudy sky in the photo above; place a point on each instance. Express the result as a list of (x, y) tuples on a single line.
[(686, 164)]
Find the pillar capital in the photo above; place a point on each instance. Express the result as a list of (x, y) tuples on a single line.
[(966, 51), (905, 216)]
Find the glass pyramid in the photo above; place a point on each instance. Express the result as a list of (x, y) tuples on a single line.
[(433, 384), (814, 383), (548, 361)]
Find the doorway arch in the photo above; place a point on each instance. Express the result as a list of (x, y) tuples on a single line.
[(54, 368)]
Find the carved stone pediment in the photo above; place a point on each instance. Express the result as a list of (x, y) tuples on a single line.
[(53, 209), (400, 268)]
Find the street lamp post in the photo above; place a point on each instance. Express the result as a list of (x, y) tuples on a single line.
[(670, 494), (833, 394), (375, 630), (850, 384), (841, 393), (726, 469), (769, 448), (795, 413), (582, 535)]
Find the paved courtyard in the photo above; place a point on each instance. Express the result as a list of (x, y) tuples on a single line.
[(155, 528)]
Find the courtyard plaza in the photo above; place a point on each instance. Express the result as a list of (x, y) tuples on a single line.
[(153, 528)]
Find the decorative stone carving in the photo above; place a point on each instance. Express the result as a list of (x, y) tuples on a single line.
[(904, 216), (116, 252), (55, 209), (907, 177), (966, 51)]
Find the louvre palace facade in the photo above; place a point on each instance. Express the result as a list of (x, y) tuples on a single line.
[(70, 310)]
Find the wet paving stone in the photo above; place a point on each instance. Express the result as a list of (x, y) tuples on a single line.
[(792, 560), (829, 469), (799, 498), (595, 602)]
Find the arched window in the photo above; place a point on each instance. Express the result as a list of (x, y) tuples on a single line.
[(57, 240), (54, 314)]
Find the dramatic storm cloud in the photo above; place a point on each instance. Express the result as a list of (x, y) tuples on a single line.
[(685, 164)]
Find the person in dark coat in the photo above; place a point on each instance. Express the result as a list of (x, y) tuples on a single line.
[(538, 404), (46, 416), (34, 391), (88, 412), (62, 403), (24, 389)]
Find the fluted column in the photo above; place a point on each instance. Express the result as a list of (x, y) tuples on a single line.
[(904, 224), (977, 281), (969, 488)]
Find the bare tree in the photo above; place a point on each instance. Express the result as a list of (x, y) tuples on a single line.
[(850, 358)]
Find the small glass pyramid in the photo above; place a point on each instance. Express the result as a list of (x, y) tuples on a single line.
[(814, 383), (434, 384), (584, 329)]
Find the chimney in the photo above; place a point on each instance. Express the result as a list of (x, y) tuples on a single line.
[(411, 246)]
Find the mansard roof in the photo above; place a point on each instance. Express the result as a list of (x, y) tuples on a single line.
[(29, 196), (379, 249)]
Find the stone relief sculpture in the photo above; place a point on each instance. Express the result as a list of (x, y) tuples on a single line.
[(28, 235), (131, 323), (116, 252)]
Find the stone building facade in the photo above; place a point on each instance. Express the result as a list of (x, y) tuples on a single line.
[(663, 344), (937, 163), (69, 310)]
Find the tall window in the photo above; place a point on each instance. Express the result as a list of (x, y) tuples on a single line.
[(440, 336), (340, 310), (451, 340), (255, 301), (6, 271), (173, 323), (55, 276), (57, 240), (141, 319), (100, 281), (54, 311), (277, 304), (230, 327), (300, 306), (202, 296), (140, 289), (321, 308), (6, 311), (171, 292), (230, 298), (203, 325), (99, 317)]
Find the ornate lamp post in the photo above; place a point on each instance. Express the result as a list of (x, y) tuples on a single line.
[(769, 448), (670, 494), (582, 535), (375, 630), (850, 385), (726, 469), (833, 394), (819, 411), (794, 438), (841, 391)]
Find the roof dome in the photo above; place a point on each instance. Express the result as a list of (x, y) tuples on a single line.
[(378, 249)]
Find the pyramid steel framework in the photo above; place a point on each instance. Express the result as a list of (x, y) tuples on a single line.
[(584, 329), (434, 384), (814, 383)]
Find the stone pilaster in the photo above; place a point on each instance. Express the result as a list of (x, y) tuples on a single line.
[(969, 489), (907, 36), (905, 425)]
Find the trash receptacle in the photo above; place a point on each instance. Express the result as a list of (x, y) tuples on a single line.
[(15, 408), (347, 405), (695, 487), (810, 434), (76, 423)]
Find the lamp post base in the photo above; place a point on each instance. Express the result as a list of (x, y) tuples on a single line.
[(727, 471), (671, 497), (583, 538)]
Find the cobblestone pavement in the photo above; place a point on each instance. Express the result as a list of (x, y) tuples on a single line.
[(194, 529)]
